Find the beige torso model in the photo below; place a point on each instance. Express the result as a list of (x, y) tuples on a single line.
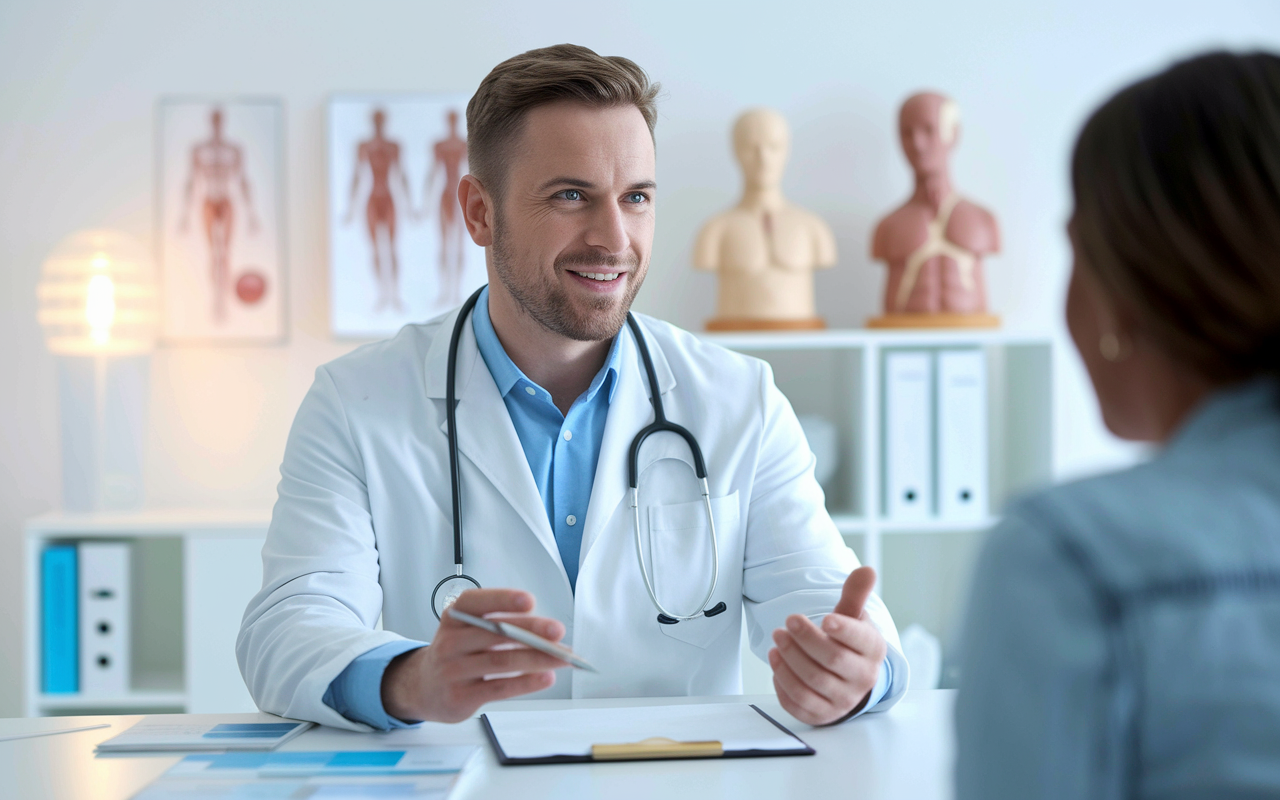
[(764, 250)]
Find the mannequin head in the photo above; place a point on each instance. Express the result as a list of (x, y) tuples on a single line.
[(762, 142), (379, 121), (928, 126)]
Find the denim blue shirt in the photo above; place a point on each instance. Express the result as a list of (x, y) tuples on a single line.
[(562, 451), (1123, 633)]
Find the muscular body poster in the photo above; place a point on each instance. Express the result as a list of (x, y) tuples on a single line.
[(398, 249), (219, 221)]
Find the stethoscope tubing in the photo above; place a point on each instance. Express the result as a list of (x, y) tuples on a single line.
[(660, 424)]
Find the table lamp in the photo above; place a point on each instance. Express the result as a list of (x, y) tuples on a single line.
[(98, 306)]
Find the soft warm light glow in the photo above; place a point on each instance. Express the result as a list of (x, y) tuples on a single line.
[(100, 307), (98, 296)]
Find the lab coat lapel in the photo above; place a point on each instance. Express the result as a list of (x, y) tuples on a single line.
[(486, 435), (629, 411)]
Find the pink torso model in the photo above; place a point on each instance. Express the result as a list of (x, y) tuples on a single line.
[(935, 256), (934, 243)]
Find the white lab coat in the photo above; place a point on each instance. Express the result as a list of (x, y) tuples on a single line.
[(363, 527)]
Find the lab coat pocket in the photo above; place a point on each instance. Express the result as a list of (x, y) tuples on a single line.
[(680, 566)]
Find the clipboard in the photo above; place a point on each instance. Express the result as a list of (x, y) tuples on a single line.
[(654, 748)]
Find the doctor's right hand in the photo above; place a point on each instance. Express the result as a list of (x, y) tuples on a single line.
[(446, 680)]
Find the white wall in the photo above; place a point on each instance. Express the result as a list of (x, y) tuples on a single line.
[(79, 82)]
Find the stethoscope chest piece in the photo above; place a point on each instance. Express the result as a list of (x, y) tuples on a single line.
[(447, 591)]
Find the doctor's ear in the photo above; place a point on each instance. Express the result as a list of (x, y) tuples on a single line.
[(478, 209)]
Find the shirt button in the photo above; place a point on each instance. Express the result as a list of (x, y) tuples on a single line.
[(572, 520), (530, 390), (568, 435)]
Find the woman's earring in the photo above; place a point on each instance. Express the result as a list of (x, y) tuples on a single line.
[(1112, 349)]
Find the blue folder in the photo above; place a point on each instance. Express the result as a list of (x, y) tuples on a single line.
[(59, 626)]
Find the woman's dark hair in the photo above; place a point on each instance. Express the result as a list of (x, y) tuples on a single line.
[(1177, 209)]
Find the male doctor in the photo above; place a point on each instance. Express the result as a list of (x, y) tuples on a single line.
[(551, 390)]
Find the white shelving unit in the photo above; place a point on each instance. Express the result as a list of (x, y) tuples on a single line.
[(193, 572), (837, 374), (923, 566)]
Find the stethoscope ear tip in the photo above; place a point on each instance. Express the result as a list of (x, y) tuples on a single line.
[(716, 610)]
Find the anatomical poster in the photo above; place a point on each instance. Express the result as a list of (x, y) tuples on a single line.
[(219, 220), (399, 251)]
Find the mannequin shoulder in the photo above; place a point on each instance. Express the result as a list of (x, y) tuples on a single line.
[(718, 232), (900, 232), (974, 228), (809, 221), (726, 222)]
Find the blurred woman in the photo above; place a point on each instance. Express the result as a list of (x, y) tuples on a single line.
[(1124, 631)]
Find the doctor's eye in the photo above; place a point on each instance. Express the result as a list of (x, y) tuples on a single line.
[(572, 195), (636, 198)]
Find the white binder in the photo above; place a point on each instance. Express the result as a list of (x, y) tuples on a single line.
[(104, 618), (908, 435), (962, 434)]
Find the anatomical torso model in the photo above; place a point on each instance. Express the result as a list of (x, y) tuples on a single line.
[(934, 243), (764, 250)]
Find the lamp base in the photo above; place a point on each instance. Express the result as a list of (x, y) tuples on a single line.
[(102, 406)]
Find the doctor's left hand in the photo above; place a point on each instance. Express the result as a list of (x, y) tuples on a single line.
[(824, 674), (447, 680)]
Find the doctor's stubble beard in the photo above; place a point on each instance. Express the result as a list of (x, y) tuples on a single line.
[(548, 303)]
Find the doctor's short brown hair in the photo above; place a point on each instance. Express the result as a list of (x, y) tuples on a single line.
[(495, 115)]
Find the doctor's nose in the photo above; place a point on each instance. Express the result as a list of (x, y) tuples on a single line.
[(608, 230)]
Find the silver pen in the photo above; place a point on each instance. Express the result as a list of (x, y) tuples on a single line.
[(516, 633)]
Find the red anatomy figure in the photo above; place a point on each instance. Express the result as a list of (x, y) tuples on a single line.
[(381, 157), (217, 164), (449, 153)]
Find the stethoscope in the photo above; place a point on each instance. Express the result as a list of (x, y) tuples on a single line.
[(456, 584)]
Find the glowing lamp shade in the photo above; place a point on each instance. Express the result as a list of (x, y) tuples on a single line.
[(98, 296), (98, 305)]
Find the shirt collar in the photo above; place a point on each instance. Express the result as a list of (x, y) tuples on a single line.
[(505, 372), (1231, 409)]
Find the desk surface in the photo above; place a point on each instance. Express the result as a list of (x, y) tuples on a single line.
[(903, 753)]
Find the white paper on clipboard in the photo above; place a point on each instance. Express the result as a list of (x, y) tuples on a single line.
[(573, 732)]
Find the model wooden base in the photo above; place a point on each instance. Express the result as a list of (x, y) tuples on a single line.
[(940, 320), (811, 324)]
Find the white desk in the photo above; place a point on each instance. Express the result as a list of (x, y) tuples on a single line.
[(905, 753)]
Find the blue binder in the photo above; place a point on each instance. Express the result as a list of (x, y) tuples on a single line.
[(59, 626)]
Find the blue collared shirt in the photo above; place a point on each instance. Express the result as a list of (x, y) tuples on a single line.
[(562, 451)]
